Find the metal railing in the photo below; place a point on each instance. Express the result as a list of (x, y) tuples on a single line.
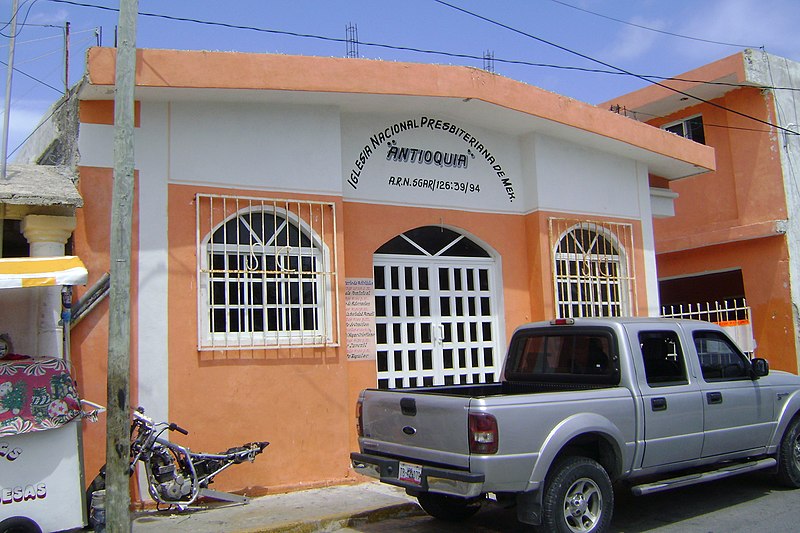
[(733, 315)]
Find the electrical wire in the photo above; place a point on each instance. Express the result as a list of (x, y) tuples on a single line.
[(735, 45), (454, 55), (32, 77), (615, 70), (21, 26), (608, 65), (41, 123)]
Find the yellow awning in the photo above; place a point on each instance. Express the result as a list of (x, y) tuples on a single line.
[(41, 272)]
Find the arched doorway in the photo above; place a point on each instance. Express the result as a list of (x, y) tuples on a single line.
[(437, 310)]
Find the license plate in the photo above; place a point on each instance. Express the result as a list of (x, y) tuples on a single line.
[(410, 473)]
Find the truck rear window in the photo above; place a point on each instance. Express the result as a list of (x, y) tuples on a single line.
[(587, 356)]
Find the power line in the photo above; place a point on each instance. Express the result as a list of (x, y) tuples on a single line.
[(608, 65), (671, 34), (455, 55), (33, 78), (615, 70), (21, 25)]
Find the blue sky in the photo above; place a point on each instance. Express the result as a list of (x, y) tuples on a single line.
[(646, 37)]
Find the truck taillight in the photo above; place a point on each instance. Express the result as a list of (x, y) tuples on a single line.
[(360, 417), (483, 434)]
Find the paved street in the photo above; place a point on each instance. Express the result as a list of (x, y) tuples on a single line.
[(751, 503)]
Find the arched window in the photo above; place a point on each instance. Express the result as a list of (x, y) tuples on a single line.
[(264, 280), (591, 273)]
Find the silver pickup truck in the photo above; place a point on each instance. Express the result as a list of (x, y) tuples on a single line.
[(585, 405)]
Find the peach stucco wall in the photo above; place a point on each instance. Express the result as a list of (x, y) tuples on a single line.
[(296, 398), (765, 271), (745, 195), (729, 219)]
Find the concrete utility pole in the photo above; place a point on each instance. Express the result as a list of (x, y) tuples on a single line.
[(9, 76), (118, 444)]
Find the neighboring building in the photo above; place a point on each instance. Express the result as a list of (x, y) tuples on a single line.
[(735, 235), (308, 227)]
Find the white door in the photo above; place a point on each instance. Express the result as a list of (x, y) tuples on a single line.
[(436, 311)]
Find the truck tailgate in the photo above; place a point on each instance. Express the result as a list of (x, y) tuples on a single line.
[(425, 427)]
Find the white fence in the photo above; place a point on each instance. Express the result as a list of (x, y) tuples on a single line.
[(733, 315)]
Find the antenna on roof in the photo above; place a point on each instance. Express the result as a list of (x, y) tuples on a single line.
[(488, 61), (352, 40)]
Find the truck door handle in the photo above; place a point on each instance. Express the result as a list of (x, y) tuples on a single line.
[(658, 404), (714, 397)]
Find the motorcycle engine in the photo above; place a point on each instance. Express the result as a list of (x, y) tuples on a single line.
[(172, 484), (175, 489)]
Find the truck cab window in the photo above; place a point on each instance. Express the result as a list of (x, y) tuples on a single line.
[(719, 358), (576, 356), (663, 359)]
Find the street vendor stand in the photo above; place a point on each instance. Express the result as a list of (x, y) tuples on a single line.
[(41, 469)]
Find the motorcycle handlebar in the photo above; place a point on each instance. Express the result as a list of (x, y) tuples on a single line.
[(139, 414), (175, 427)]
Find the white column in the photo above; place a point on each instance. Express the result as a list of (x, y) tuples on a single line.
[(47, 236)]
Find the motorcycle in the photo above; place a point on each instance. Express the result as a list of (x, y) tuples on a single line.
[(175, 474)]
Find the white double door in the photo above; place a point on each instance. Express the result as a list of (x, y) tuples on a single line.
[(436, 321)]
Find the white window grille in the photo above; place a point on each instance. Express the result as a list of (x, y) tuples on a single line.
[(592, 273), (732, 314), (266, 277)]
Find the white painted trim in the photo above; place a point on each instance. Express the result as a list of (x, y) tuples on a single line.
[(648, 242), (152, 156)]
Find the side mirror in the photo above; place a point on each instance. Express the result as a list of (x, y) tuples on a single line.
[(760, 367)]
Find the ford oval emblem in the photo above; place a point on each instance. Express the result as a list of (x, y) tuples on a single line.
[(408, 430)]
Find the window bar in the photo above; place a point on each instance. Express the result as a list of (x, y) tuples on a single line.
[(213, 300), (276, 275), (334, 278), (200, 326), (264, 275), (323, 289), (300, 274), (227, 274), (210, 258), (287, 268), (252, 271)]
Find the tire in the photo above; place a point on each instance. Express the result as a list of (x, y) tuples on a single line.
[(448, 508), (789, 456), (578, 497), (19, 524)]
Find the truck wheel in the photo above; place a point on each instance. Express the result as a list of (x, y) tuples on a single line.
[(578, 497), (19, 524), (449, 508), (789, 456)]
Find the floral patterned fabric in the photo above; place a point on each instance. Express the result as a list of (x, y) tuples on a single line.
[(36, 393)]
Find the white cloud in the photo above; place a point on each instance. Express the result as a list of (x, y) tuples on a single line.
[(58, 17), (633, 42)]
